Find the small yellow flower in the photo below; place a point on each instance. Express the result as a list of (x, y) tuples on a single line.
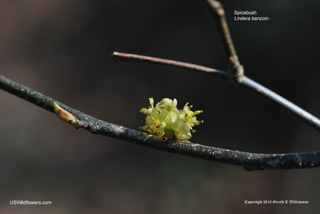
[(167, 122)]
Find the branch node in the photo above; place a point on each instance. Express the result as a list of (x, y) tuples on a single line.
[(238, 71)]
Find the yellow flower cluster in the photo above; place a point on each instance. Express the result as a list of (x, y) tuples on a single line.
[(167, 122)]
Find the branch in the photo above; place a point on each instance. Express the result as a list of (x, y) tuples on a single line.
[(245, 82), (249, 161), (168, 62), (236, 71)]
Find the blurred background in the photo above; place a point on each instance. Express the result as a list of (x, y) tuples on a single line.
[(62, 49)]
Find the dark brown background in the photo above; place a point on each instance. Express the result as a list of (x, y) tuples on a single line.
[(62, 49)]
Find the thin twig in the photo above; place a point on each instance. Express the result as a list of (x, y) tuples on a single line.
[(245, 82), (168, 62), (236, 71), (249, 161), (275, 98)]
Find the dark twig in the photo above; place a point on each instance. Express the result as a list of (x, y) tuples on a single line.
[(250, 161)]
